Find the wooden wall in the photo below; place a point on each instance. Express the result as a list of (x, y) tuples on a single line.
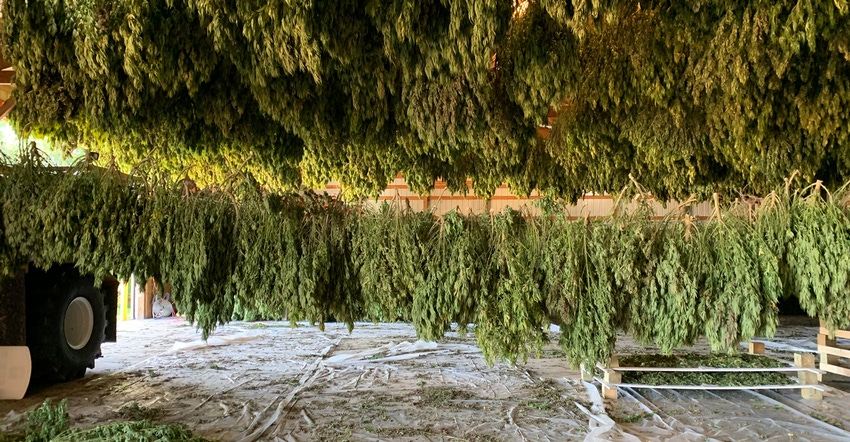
[(440, 200)]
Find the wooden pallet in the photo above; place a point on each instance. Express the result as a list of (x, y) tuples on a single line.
[(804, 367), (830, 352)]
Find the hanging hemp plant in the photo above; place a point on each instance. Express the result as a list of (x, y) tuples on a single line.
[(565, 265), (265, 279), (769, 262), (511, 316), (595, 305), (10, 259), (819, 255), (374, 252), (735, 303), (773, 225), (389, 250), (148, 238), (674, 276), (590, 274), (204, 258), (99, 207), (468, 276), (432, 308), (561, 263), (283, 235), (455, 275), (23, 207), (256, 258), (268, 241), (328, 288)]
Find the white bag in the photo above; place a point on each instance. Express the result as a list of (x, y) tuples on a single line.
[(162, 307)]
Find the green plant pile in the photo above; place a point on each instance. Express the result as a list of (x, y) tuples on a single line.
[(140, 431), (49, 423), (689, 96), (692, 360), (236, 250)]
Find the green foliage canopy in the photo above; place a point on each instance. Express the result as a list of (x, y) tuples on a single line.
[(689, 96)]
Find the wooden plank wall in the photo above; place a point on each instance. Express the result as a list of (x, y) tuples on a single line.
[(146, 309), (441, 201)]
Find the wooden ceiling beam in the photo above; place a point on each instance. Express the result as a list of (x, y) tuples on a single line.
[(552, 116), (6, 78), (6, 107)]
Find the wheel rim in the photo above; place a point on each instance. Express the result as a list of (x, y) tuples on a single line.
[(79, 321)]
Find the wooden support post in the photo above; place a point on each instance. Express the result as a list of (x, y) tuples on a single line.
[(807, 360), (826, 357), (586, 375), (150, 294), (756, 348), (611, 377)]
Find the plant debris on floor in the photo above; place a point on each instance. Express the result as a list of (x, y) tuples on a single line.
[(49, 423), (691, 360), (328, 387)]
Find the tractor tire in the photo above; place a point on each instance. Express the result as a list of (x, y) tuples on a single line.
[(66, 323)]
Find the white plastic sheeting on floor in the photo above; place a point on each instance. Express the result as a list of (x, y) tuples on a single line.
[(270, 382)]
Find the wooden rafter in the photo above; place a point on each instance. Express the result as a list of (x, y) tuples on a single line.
[(6, 77), (6, 107)]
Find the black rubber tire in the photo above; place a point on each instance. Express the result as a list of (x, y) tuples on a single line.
[(48, 296)]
